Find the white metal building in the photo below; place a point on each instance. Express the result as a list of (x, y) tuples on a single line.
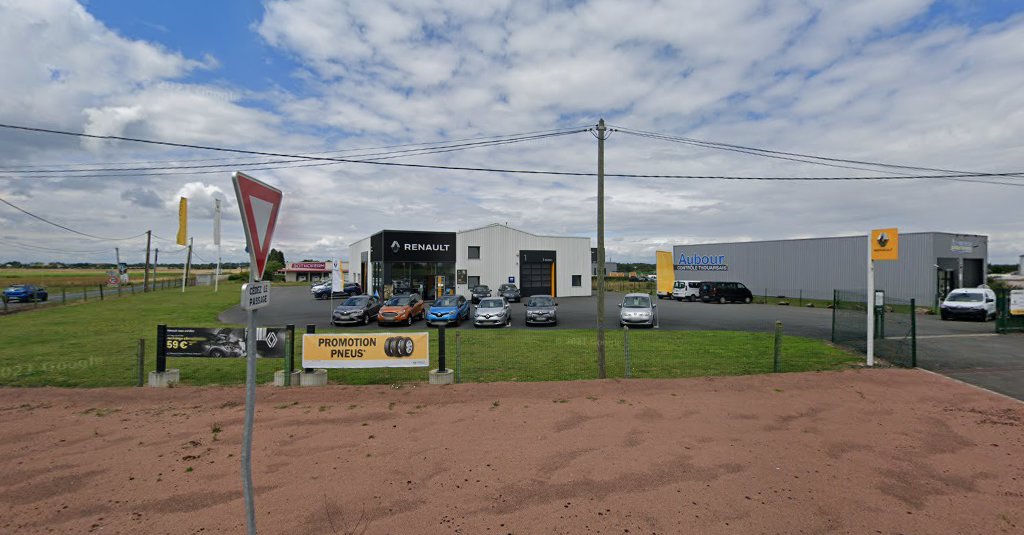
[(453, 262)]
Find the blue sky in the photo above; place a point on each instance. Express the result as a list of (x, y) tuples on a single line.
[(933, 84)]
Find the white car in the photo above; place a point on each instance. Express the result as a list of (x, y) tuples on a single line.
[(686, 290), (638, 309), (493, 311), (977, 303)]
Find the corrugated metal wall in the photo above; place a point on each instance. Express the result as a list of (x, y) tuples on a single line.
[(817, 266)]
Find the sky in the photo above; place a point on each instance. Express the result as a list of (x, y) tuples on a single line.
[(934, 84)]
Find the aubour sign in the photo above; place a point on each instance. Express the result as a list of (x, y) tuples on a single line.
[(702, 263), (382, 350)]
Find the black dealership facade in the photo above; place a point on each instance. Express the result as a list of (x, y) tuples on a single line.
[(403, 261)]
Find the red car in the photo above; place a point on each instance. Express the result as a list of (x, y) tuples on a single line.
[(405, 308)]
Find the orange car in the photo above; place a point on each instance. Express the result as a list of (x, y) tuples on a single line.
[(405, 308)]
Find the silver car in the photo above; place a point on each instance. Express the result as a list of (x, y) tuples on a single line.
[(492, 311), (541, 309), (638, 309)]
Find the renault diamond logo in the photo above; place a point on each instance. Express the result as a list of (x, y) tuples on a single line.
[(883, 239), (395, 247), (271, 339)]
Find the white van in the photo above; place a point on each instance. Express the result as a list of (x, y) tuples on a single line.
[(977, 303), (686, 290)]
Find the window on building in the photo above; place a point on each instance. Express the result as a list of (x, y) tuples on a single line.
[(577, 280), (474, 252), (474, 281)]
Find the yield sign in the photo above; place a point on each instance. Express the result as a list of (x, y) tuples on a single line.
[(259, 204)]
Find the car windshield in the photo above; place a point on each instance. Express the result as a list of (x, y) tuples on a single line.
[(447, 301), (966, 297), (481, 289), (637, 301), (508, 287), (356, 301), (541, 301), (398, 301), (491, 303)]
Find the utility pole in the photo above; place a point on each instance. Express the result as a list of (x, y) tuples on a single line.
[(145, 278), (600, 249), (188, 264)]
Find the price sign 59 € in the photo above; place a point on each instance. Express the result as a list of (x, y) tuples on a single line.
[(255, 295)]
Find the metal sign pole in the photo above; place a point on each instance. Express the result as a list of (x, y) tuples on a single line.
[(250, 413), (871, 306)]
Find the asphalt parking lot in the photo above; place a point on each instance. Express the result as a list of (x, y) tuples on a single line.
[(968, 351)]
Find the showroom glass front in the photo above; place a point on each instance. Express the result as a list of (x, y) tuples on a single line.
[(410, 261)]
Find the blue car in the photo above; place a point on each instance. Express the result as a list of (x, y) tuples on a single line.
[(448, 309), (25, 292)]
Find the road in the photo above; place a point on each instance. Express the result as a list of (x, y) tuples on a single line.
[(968, 351)]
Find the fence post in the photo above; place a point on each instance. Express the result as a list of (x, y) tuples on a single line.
[(458, 357), (161, 348), (913, 333), (625, 345), (85, 293), (766, 296), (441, 364), (63, 296), (101, 292), (119, 289), (132, 287), (310, 329), (141, 379), (778, 347), (289, 357), (835, 303), (801, 298), (4, 299)]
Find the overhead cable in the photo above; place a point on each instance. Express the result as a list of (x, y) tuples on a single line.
[(58, 225)]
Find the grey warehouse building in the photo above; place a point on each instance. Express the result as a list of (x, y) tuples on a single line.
[(930, 265)]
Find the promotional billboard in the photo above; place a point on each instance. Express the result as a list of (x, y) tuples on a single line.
[(381, 350), (223, 342)]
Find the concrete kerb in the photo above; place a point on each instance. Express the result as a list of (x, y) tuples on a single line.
[(164, 379)]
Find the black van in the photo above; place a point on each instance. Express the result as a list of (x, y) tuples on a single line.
[(724, 292)]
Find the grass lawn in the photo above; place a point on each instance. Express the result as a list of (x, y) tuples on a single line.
[(95, 344)]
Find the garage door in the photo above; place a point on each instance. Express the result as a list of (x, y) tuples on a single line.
[(537, 273)]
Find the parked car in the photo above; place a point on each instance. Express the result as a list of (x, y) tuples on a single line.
[(492, 311), (724, 292), (480, 292), (405, 308), (448, 309), (638, 309), (224, 345), (976, 303), (510, 293), (360, 309), (686, 290), (541, 309), (25, 292), (326, 291)]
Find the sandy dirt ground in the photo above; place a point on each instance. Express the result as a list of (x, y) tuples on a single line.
[(859, 451)]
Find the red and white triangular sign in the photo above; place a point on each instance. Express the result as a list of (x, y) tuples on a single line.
[(259, 204)]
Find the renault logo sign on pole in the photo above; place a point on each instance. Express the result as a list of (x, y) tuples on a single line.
[(883, 244)]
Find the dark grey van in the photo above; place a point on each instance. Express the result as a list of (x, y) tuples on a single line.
[(724, 292)]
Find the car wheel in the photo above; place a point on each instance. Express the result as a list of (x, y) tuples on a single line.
[(508, 321), (409, 321), (721, 300), (216, 353), (746, 300)]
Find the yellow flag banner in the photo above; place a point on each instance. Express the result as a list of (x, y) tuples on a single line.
[(183, 221), (380, 350)]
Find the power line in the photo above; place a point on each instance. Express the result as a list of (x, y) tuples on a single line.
[(30, 247), (363, 157), (787, 155), (517, 171), (58, 225), (496, 137)]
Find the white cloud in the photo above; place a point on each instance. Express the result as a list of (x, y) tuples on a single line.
[(885, 80)]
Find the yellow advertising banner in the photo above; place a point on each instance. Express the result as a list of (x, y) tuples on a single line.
[(885, 244), (666, 272), (183, 221), (379, 350), (1017, 303)]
